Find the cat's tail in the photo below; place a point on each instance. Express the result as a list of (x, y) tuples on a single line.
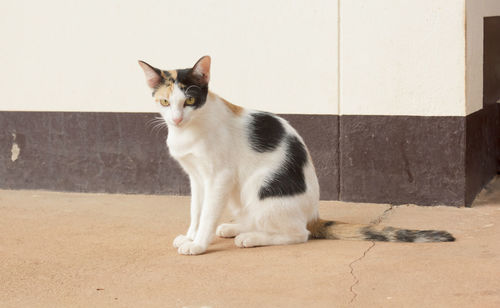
[(327, 229)]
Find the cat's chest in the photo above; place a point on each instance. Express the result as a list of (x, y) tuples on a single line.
[(182, 145)]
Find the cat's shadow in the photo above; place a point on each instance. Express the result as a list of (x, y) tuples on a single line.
[(221, 244)]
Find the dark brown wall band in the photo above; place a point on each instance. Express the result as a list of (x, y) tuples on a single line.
[(402, 159), (482, 149), (121, 152), (390, 159), (87, 152)]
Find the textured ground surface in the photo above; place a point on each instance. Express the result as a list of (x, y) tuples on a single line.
[(91, 250)]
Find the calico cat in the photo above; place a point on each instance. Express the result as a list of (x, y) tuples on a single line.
[(252, 161)]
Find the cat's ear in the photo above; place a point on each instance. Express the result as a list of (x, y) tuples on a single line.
[(201, 70), (153, 75)]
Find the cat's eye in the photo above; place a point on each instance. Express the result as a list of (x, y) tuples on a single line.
[(190, 101), (164, 102)]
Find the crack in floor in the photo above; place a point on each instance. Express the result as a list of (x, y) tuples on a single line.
[(379, 219), (376, 221), (356, 280)]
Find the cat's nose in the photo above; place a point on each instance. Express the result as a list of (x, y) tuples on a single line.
[(177, 120)]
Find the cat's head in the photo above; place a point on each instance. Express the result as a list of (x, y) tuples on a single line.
[(179, 93)]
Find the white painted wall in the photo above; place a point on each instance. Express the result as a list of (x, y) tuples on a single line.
[(63, 55), (476, 11), (402, 57), (398, 57)]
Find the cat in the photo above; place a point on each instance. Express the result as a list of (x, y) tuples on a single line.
[(252, 161)]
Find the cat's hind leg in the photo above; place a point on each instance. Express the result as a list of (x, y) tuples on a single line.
[(277, 221), (238, 226)]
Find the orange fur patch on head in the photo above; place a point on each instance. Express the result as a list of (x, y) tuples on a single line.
[(165, 90), (237, 110), (173, 74), (169, 76)]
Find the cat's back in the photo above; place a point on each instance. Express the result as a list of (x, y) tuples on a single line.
[(266, 132), (270, 141), (276, 161)]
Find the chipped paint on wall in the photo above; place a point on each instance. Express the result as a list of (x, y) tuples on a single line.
[(15, 150)]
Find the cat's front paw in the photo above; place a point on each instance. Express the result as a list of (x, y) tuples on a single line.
[(190, 248), (180, 240)]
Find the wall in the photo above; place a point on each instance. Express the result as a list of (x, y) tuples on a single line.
[(483, 92), (61, 55), (402, 101), (387, 94), (76, 110), (483, 114), (402, 57), (476, 11)]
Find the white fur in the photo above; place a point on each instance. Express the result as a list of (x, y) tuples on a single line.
[(211, 144)]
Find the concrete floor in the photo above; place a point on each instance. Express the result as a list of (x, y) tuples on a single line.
[(95, 250)]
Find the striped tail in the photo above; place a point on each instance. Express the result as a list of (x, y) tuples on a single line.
[(327, 229)]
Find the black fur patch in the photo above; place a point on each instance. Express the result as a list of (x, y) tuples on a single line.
[(289, 179), (406, 235), (265, 132), (192, 87), (429, 235), (373, 235)]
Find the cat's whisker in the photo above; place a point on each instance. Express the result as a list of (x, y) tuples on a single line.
[(162, 127), (156, 125), (153, 122)]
